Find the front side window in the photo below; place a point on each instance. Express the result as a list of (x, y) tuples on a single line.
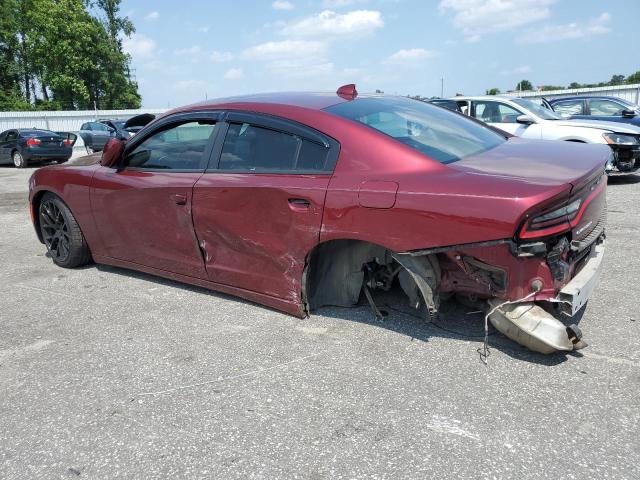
[(179, 147), (495, 112), (440, 134), (569, 107), (250, 148), (605, 108)]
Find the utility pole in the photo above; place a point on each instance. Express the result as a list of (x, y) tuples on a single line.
[(441, 87)]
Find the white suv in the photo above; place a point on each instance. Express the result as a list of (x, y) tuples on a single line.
[(524, 118)]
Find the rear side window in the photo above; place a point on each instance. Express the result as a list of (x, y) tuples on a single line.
[(436, 132), (12, 135), (180, 147), (569, 107), (250, 148)]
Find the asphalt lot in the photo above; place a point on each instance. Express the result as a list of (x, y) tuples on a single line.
[(107, 373)]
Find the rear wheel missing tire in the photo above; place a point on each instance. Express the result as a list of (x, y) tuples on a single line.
[(61, 233), (18, 160)]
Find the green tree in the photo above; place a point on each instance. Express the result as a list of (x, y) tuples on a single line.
[(47, 63), (616, 80), (634, 77), (493, 91), (551, 87), (524, 85)]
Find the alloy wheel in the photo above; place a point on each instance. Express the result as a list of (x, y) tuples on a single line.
[(55, 231)]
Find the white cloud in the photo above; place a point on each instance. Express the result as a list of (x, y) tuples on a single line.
[(282, 5), (234, 74), (331, 24), (554, 33), (478, 17), (340, 3), (191, 51), (152, 16), (292, 58), (285, 49), (411, 55), (221, 56), (139, 46)]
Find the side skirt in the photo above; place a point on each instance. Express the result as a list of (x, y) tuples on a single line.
[(295, 309)]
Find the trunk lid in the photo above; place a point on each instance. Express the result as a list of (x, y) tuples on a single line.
[(539, 162)]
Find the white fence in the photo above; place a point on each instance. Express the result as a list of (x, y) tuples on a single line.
[(631, 92), (64, 121)]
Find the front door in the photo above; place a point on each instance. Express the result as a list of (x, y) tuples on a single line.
[(143, 208), (503, 116), (258, 211)]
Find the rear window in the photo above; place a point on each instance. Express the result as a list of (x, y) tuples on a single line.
[(436, 132), (36, 133)]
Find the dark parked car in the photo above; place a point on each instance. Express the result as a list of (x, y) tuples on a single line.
[(298, 201), (23, 146), (446, 103), (611, 109)]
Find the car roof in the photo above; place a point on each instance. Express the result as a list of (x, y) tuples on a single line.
[(308, 100), (584, 97), (482, 97)]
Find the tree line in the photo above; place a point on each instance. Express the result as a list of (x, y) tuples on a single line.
[(65, 55), (525, 85)]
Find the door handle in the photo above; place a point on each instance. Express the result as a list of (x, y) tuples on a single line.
[(299, 204), (179, 198)]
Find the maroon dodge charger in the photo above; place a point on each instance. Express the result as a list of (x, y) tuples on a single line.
[(299, 200)]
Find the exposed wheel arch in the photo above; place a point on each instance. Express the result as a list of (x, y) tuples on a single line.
[(336, 270)]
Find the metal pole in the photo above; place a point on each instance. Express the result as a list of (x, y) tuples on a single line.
[(441, 87)]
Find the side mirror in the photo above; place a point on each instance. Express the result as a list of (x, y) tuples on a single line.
[(525, 119), (628, 113), (112, 152)]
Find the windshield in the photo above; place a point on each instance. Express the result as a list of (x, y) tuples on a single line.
[(537, 110), (442, 135)]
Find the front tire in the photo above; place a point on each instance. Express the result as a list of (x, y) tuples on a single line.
[(61, 233), (18, 160)]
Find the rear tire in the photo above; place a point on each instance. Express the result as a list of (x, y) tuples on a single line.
[(61, 233), (18, 159)]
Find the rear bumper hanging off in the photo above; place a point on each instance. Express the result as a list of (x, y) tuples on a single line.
[(535, 328)]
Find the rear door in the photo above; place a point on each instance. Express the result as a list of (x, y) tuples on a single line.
[(142, 209), (258, 209)]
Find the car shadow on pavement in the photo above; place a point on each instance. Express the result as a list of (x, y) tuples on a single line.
[(453, 321)]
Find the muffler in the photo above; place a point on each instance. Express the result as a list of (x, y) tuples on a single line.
[(533, 327)]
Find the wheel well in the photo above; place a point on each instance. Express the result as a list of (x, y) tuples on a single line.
[(35, 208), (337, 270)]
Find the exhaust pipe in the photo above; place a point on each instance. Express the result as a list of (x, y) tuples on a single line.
[(533, 327)]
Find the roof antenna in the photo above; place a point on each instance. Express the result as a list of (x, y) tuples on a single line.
[(348, 91)]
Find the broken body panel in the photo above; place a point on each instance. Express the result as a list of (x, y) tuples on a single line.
[(386, 211)]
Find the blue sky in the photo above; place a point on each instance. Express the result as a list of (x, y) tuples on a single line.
[(184, 51)]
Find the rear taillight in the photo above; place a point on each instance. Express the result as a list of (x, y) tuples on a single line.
[(33, 141), (68, 142), (560, 219)]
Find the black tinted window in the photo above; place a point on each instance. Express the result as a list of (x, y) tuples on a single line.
[(178, 148), (12, 135), (253, 149)]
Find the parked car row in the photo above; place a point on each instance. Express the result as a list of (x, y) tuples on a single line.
[(96, 134), (298, 201), (524, 118)]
